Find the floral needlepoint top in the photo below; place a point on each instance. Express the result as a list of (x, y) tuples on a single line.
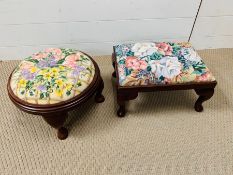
[(52, 76), (160, 63)]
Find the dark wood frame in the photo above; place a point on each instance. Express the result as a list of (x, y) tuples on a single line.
[(55, 114), (205, 90)]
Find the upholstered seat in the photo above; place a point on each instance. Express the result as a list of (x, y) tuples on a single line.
[(52, 76), (159, 63)]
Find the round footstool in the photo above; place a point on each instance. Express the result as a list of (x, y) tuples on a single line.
[(52, 82)]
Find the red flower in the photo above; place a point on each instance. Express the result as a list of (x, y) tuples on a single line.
[(134, 63), (164, 49)]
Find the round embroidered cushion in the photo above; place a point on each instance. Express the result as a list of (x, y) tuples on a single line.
[(52, 76)]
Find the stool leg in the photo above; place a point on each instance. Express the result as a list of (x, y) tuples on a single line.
[(113, 65), (204, 95), (122, 97), (57, 120), (114, 73), (99, 98), (121, 109)]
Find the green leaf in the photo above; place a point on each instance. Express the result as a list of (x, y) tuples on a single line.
[(89, 70), (196, 72), (79, 83), (199, 67), (161, 78), (47, 94), (148, 68), (39, 77), (127, 71), (41, 95), (176, 50), (64, 77), (121, 62), (28, 58), (61, 61), (33, 60), (155, 56), (29, 84), (68, 93), (84, 57), (130, 53)]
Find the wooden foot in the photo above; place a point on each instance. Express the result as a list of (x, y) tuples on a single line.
[(62, 133), (113, 65), (122, 97), (121, 111), (114, 74), (99, 98), (57, 120), (204, 95)]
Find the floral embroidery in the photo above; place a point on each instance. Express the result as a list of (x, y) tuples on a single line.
[(167, 67), (52, 76), (134, 63), (160, 63), (164, 48)]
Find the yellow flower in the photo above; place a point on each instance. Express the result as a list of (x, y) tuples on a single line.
[(48, 76), (59, 92), (54, 71), (43, 72), (61, 68), (33, 69), (68, 87), (59, 82), (22, 83), (78, 83)]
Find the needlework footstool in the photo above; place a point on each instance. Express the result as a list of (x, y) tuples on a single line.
[(52, 82), (160, 66)]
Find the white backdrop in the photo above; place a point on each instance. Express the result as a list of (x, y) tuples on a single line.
[(214, 26), (93, 26)]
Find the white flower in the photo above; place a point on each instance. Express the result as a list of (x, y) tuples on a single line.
[(192, 55), (167, 67), (144, 49)]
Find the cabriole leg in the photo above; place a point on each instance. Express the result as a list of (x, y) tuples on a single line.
[(99, 98), (204, 95), (57, 120), (122, 97), (113, 65)]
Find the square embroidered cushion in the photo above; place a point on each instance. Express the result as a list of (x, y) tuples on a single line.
[(158, 63)]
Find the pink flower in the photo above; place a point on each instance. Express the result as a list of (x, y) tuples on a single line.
[(143, 64), (134, 63), (167, 81), (39, 55), (57, 53), (204, 77), (71, 60), (164, 49), (26, 65)]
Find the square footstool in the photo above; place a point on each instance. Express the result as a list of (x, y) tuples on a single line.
[(160, 66)]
